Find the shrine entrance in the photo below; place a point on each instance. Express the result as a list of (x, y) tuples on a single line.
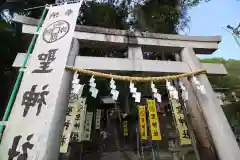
[(150, 98), (119, 135)]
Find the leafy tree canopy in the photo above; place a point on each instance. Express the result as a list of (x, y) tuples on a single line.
[(230, 82)]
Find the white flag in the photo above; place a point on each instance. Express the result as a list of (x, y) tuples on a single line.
[(31, 118)]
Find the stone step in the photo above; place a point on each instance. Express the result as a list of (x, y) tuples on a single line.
[(113, 156), (110, 148), (130, 155)]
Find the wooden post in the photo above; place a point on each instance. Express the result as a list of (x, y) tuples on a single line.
[(137, 138), (216, 120)]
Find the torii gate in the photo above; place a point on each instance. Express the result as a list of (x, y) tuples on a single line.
[(185, 46)]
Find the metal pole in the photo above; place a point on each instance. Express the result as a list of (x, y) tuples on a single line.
[(137, 136), (142, 150), (153, 154), (174, 154), (223, 137), (81, 150)]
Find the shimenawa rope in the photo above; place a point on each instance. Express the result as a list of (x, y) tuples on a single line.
[(131, 79)]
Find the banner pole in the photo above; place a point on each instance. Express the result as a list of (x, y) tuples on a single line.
[(20, 74)]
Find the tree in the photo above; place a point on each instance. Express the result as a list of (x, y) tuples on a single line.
[(156, 16), (108, 15), (230, 81), (228, 84)]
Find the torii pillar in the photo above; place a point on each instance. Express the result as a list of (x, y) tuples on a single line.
[(220, 130)]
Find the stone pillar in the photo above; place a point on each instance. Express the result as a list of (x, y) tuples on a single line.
[(220, 130), (62, 103), (206, 149), (135, 53)]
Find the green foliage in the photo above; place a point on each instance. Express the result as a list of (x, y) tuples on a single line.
[(155, 16), (149, 15), (213, 60), (103, 15), (231, 81), (4, 26)]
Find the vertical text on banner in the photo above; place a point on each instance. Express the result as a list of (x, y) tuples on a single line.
[(98, 118), (125, 128), (153, 119), (72, 112), (142, 122), (68, 126), (77, 131), (180, 122), (37, 100), (88, 126)]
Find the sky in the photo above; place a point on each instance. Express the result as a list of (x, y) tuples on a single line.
[(207, 19)]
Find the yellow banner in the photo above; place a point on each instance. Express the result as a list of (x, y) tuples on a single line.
[(181, 124), (125, 128), (153, 118), (142, 122)]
